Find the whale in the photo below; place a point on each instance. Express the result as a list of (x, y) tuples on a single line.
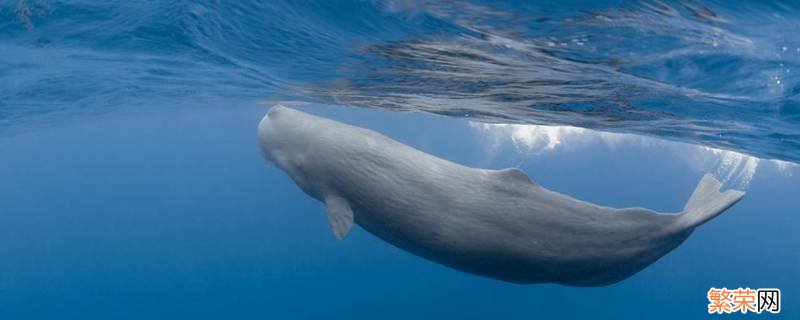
[(498, 224)]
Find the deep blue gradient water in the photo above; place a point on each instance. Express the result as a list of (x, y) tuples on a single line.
[(131, 185)]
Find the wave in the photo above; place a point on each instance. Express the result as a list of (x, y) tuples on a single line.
[(718, 74)]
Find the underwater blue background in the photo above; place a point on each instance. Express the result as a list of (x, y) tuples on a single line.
[(174, 214), (131, 184)]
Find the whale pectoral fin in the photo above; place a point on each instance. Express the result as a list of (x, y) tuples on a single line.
[(514, 174), (340, 216)]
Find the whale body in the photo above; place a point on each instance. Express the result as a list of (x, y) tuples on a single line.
[(493, 223)]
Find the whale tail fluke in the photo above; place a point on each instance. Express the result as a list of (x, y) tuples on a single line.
[(707, 202)]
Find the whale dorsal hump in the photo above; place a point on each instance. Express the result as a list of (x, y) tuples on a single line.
[(340, 216), (514, 174)]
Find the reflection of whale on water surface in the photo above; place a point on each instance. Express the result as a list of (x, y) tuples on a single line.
[(494, 223)]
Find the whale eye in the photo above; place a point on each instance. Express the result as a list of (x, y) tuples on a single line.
[(299, 162)]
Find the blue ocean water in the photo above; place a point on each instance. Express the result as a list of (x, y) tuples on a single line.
[(131, 185)]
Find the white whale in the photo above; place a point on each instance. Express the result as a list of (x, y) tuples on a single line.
[(493, 223)]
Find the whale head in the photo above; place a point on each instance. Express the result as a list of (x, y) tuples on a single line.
[(286, 137), (305, 146)]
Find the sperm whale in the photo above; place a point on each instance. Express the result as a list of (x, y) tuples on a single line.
[(493, 223)]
